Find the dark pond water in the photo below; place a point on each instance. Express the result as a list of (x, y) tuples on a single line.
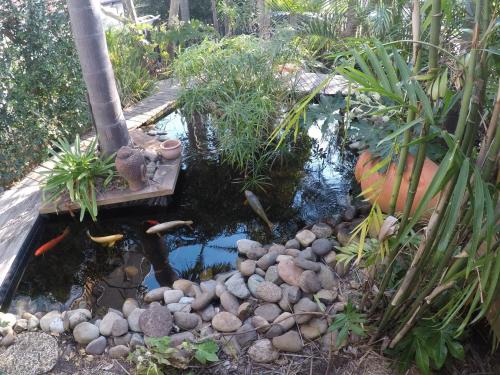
[(314, 186)]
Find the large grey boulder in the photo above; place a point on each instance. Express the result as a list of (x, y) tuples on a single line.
[(33, 353)]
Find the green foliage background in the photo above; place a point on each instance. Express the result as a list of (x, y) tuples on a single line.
[(42, 96)]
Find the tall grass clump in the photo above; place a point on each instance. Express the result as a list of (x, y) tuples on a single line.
[(235, 81)]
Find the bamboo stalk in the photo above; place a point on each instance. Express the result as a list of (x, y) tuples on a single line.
[(415, 175), (404, 152), (490, 133), (434, 34), (421, 153), (423, 250), (415, 22), (415, 29), (470, 77)]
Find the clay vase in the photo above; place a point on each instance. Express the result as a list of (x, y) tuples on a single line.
[(382, 183), (131, 165), (170, 149)]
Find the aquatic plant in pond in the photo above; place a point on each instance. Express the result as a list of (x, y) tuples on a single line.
[(235, 81)]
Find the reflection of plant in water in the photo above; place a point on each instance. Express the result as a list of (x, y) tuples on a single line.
[(199, 270)]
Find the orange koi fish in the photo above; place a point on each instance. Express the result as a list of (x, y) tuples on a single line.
[(152, 222), (53, 242)]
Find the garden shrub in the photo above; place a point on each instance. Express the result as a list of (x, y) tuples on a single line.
[(139, 54), (135, 63), (42, 94)]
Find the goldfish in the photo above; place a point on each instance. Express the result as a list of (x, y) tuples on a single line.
[(168, 225), (152, 222), (254, 202), (53, 242), (106, 240)]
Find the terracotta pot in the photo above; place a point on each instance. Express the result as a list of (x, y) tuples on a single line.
[(383, 183), (170, 149), (131, 165)]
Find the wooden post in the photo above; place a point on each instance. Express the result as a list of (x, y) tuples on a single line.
[(264, 19), (130, 10)]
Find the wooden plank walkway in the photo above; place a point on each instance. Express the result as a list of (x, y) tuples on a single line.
[(19, 205), (305, 82)]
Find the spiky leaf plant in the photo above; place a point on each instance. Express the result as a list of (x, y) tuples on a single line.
[(75, 175)]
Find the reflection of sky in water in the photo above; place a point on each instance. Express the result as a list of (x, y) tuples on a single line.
[(326, 181), (214, 252), (150, 280), (174, 124)]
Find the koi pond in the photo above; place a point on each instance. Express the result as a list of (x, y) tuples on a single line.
[(313, 187)]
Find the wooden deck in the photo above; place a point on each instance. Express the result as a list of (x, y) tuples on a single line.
[(19, 205), (162, 184)]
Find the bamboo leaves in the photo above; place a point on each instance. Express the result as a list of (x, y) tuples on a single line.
[(389, 76)]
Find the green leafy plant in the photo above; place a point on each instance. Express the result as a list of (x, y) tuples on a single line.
[(235, 82), (428, 344), (134, 63), (42, 94), (159, 355), (203, 352), (348, 321), (76, 174), (350, 252)]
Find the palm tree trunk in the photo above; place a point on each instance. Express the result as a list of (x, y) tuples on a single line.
[(184, 10), (173, 13), (214, 16), (351, 19), (98, 74)]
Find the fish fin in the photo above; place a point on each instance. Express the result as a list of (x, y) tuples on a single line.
[(245, 202), (271, 226), (111, 244), (88, 234), (158, 234)]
